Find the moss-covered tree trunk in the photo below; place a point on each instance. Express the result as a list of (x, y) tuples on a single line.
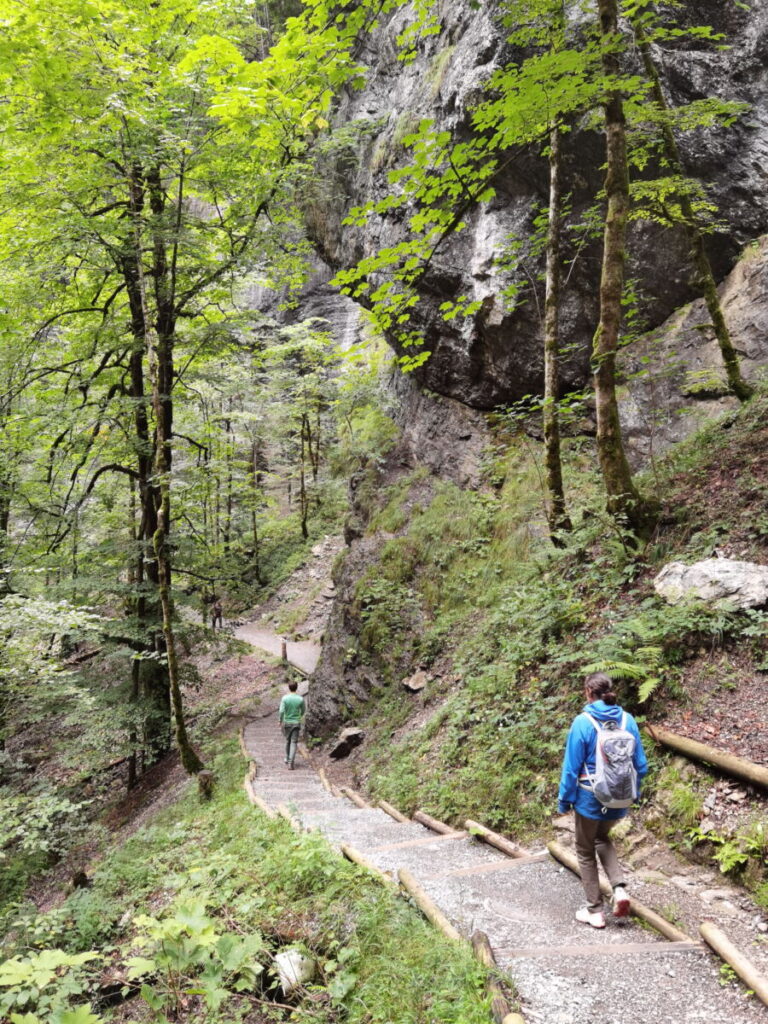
[(158, 341), (706, 279), (623, 498), (556, 512)]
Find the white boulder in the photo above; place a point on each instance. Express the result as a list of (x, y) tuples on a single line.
[(294, 969), (716, 581)]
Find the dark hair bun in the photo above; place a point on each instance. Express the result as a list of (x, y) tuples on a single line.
[(600, 687)]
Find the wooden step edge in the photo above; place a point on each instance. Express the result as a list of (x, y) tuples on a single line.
[(725, 949), (434, 823), (355, 797), (393, 812), (664, 927), (494, 839)]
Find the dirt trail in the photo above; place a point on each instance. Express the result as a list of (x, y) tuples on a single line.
[(564, 972)]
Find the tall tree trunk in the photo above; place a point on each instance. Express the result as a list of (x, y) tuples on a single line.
[(153, 676), (623, 498), (255, 481), (557, 513), (303, 497), (159, 349), (706, 279)]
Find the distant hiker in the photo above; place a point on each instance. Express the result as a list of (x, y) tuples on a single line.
[(217, 615), (291, 716), (603, 767)]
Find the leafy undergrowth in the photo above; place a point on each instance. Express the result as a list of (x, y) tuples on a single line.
[(470, 590), (182, 923)]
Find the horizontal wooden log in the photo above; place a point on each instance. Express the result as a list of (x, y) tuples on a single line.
[(427, 906), (358, 858), (437, 826), (494, 839), (739, 767), (356, 799), (393, 812), (726, 950), (568, 858), (499, 1005), (256, 800)]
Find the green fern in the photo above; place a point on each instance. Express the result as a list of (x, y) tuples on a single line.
[(644, 671)]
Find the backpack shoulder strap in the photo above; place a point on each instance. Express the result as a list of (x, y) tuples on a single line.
[(592, 720), (624, 720)]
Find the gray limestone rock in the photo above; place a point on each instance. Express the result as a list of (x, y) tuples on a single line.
[(416, 682), (714, 580)]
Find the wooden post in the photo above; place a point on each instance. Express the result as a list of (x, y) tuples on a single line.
[(437, 826), (428, 908), (324, 779), (494, 839), (655, 920), (283, 650), (745, 969), (730, 763), (393, 812)]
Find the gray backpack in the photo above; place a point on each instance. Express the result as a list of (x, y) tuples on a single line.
[(614, 783)]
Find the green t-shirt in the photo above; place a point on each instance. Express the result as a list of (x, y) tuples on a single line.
[(291, 709)]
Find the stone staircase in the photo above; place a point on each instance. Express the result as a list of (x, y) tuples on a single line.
[(564, 973)]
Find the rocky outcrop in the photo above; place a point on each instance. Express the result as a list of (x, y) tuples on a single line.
[(674, 377), (715, 581), (494, 357)]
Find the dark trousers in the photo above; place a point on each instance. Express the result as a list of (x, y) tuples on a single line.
[(291, 733), (592, 841)]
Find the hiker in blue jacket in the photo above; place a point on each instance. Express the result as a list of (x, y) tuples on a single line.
[(593, 820)]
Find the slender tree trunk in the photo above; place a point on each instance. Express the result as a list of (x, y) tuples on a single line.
[(303, 499), (706, 279), (557, 512), (153, 677), (159, 348), (254, 475), (623, 497)]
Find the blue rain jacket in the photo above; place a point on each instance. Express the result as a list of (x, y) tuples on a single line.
[(580, 750)]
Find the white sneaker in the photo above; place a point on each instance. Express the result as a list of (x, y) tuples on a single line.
[(620, 902), (591, 917)]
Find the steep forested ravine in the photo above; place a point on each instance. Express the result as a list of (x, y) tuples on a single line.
[(426, 341)]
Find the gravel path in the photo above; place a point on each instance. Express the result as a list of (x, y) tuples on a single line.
[(564, 972), (302, 654)]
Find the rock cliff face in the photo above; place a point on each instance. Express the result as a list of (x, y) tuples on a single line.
[(494, 358)]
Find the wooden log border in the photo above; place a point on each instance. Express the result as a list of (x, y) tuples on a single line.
[(359, 858), (393, 812), (427, 906), (733, 956), (256, 800), (355, 797), (494, 839), (499, 1006), (437, 826), (748, 771), (655, 920)]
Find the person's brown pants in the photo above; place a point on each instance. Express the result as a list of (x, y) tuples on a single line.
[(592, 838)]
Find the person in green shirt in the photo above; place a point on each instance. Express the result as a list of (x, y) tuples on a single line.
[(291, 715)]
